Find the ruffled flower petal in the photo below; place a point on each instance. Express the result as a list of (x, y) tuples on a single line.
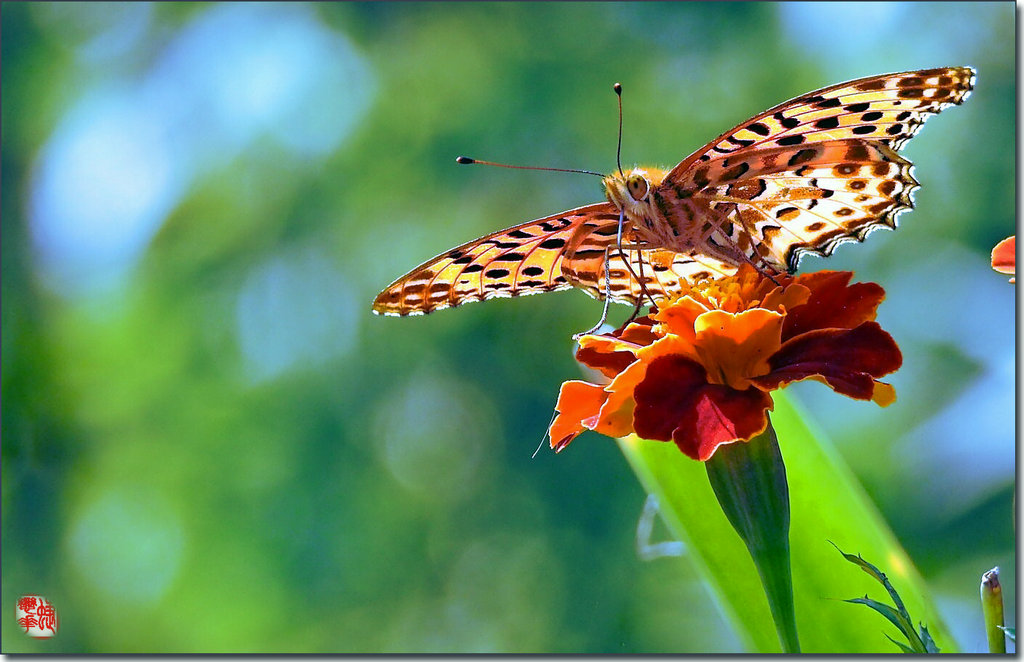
[(833, 303), (616, 416), (675, 402), (849, 361), (785, 299), (578, 404), (679, 318), (733, 347), (611, 354)]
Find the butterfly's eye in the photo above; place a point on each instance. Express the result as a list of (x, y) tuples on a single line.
[(637, 186)]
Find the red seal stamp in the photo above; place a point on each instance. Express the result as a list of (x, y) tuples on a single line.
[(36, 616)]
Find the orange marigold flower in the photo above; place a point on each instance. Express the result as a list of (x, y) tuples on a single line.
[(699, 371), (1004, 256)]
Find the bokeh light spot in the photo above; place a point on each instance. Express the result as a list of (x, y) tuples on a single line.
[(128, 151), (432, 435), (128, 545), (104, 183), (294, 310)]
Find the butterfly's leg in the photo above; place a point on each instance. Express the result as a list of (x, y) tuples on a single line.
[(639, 299), (621, 250), (765, 269), (607, 290), (629, 267)]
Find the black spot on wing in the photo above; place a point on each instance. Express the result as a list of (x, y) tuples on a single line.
[(759, 128), (510, 257)]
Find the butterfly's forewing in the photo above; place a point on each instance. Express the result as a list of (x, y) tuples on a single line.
[(820, 169), (525, 259), (889, 109)]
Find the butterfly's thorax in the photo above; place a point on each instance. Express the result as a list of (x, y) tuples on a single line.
[(661, 217)]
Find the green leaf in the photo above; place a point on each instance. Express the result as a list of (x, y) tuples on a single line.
[(929, 643), (880, 578), (905, 648), (826, 503), (1010, 632), (899, 616), (883, 609)]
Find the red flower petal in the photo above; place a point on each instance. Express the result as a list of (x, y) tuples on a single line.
[(833, 304), (601, 357), (674, 401), (612, 353), (848, 360)]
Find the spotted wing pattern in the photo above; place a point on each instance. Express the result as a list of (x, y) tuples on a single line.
[(525, 259), (889, 109), (818, 170), (663, 272), (776, 205)]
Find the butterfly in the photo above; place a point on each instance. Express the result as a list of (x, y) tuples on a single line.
[(803, 177)]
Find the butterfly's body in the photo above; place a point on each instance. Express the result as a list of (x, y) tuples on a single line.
[(802, 177)]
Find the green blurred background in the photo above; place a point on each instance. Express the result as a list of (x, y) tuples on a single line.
[(211, 445)]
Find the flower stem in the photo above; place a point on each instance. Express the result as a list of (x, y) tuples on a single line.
[(992, 607), (749, 480)]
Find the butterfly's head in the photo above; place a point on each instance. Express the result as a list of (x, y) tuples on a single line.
[(631, 191)]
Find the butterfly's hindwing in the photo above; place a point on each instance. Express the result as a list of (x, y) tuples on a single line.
[(790, 201), (664, 272)]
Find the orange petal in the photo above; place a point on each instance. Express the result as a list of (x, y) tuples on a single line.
[(788, 298), (735, 347), (678, 317), (615, 419), (577, 409), (884, 394), (669, 345), (638, 333)]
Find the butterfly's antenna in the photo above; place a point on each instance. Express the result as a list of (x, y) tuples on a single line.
[(465, 160), (618, 151)]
